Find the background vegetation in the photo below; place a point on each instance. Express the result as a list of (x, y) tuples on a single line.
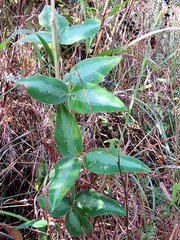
[(27, 146)]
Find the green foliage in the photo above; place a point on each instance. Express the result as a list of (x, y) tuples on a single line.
[(33, 37), (82, 72), (92, 98), (3, 44), (105, 161), (90, 203), (70, 35), (61, 179), (66, 35), (34, 223), (76, 224), (80, 94), (47, 47), (44, 19), (40, 175), (59, 211), (67, 133), (175, 194), (45, 89)]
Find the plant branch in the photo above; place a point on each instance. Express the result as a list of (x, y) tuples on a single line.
[(101, 28), (54, 40), (126, 197)]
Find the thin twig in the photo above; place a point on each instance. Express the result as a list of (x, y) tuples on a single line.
[(6, 236), (126, 197), (101, 28)]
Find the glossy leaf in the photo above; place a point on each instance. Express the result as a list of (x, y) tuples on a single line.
[(37, 223), (45, 89), (93, 98), (61, 209), (76, 33), (44, 19), (76, 224), (90, 203), (34, 38), (104, 161), (62, 177), (67, 133), (92, 69)]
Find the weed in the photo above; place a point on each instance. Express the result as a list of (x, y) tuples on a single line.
[(145, 79)]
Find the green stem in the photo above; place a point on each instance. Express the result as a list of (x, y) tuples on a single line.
[(54, 41)]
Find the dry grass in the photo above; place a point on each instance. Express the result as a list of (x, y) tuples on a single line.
[(152, 132)]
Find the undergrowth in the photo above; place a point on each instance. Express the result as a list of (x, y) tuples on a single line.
[(146, 80)]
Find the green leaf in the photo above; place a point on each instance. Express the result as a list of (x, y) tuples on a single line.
[(111, 51), (21, 31), (3, 44), (67, 133), (46, 46), (13, 215), (92, 69), (62, 178), (93, 98), (90, 203), (115, 9), (61, 209), (34, 223), (39, 175), (44, 19), (45, 89), (34, 38), (175, 196), (104, 161), (77, 225), (76, 33)]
